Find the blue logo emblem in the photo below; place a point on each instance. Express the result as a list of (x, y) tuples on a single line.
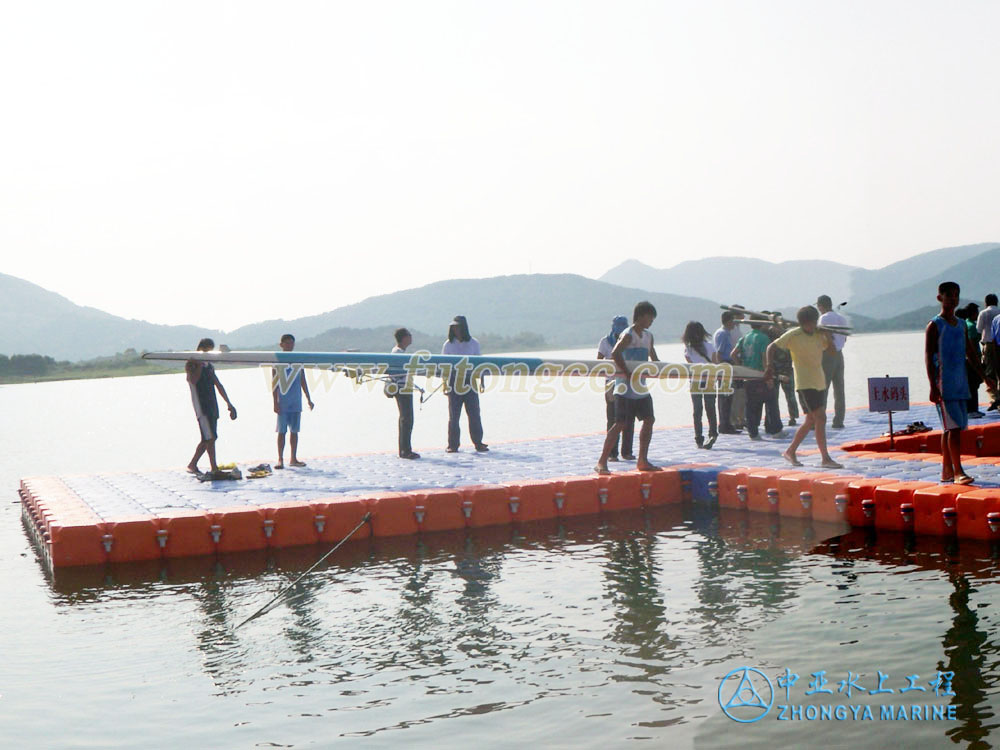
[(746, 695)]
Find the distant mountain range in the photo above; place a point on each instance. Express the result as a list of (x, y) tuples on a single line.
[(881, 294), (519, 312), (34, 320), (564, 309), (527, 311), (753, 283)]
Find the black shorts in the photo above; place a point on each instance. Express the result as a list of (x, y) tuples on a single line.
[(811, 399), (627, 409)]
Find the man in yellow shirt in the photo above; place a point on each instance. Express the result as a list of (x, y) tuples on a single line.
[(806, 345)]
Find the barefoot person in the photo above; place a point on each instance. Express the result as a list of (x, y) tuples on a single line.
[(806, 345), (203, 383), (947, 349), (288, 404), (634, 345)]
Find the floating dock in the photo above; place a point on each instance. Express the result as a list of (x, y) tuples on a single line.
[(124, 517)]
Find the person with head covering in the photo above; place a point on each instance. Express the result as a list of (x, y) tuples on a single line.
[(463, 393), (604, 349), (833, 359)]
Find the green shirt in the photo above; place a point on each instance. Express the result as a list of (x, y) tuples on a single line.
[(752, 349)]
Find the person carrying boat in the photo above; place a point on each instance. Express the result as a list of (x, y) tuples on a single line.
[(947, 353), (762, 396), (724, 340), (288, 385), (806, 345), (404, 400), (463, 393), (604, 348), (833, 359), (203, 383), (634, 345), (783, 371)]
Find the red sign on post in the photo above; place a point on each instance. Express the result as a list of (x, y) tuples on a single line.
[(888, 394)]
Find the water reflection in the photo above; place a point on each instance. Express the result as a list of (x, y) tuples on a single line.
[(489, 620)]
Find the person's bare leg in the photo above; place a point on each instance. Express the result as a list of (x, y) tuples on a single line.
[(210, 450), (293, 441), (800, 435), (281, 450), (645, 434), (819, 423), (198, 453), (947, 470), (609, 442), (955, 448)]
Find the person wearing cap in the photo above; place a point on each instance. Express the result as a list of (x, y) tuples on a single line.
[(463, 393), (833, 359), (604, 349)]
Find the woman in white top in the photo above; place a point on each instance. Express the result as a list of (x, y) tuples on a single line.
[(698, 348), (460, 341)]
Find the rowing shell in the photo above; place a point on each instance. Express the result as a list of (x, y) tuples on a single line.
[(778, 319), (443, 365)]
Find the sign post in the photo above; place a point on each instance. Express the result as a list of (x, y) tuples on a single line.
[(889, 395)]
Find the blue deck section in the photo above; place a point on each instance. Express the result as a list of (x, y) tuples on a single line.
[(116, 495)]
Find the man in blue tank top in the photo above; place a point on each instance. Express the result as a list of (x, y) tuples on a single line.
[(946, 350), (288, 404)]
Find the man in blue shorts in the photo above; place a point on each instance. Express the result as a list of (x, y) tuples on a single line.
[(947, 348), (288, 403)]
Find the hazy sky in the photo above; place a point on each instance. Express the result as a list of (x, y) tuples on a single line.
[(221, 163)]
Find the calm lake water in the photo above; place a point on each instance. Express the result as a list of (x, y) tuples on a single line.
[(594, 633)]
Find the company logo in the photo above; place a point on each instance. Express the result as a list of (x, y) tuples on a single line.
[(746, 695)]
